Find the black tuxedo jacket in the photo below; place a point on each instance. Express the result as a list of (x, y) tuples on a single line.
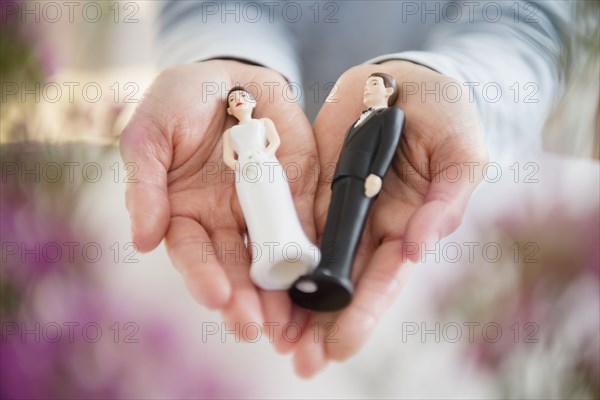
[(370, 147)]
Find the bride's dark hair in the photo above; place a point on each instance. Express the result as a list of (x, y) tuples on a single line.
[(238, 89)]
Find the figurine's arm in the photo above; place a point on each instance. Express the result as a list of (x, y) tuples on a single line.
[(272, 136), (373, 185), (228, 153), (391, 130)]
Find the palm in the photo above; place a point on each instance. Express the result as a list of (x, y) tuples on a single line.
[(185, 193), (418, 203), (180, 126)]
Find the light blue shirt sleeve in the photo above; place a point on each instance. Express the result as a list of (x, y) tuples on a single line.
[(507, 56), (251, 31)]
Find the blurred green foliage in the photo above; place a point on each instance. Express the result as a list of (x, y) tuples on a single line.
[(19, 61)]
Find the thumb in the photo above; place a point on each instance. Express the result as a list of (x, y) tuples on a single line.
[(443, 210), (147, 152)]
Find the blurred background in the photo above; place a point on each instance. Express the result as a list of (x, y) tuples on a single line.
[(506, 307)]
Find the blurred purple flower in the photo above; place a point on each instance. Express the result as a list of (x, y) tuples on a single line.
[(550, 290), (129, 349)]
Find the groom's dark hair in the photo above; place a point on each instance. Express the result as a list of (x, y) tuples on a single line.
[(388, 81)]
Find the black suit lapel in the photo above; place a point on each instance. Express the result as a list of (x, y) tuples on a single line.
[(353, 130)]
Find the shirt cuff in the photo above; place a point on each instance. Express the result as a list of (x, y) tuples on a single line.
[(438, 62)]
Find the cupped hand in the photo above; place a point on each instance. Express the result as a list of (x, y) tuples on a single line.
[(184, 193), (437, 166)]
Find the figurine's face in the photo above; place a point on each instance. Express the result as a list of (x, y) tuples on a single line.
[(240, 102), (375, 93)]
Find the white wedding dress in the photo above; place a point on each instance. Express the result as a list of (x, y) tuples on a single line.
[(280, 250)]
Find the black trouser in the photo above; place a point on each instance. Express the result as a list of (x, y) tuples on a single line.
[(346, 219)]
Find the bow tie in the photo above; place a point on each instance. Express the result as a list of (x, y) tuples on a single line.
[(367, 110)]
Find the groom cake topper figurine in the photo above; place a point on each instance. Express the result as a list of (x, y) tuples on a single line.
[(366, 155)]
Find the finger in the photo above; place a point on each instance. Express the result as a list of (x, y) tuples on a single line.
[(148, 156), (310, 356), (243, 311), (321, 208), (290, 332), (321, 329), (298, 157), (194, 256), (377, 289), (304, 204), (442, 212), (277, 312)]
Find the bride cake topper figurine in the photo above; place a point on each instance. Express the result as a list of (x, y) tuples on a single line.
[(280, 250), (366, 155)]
